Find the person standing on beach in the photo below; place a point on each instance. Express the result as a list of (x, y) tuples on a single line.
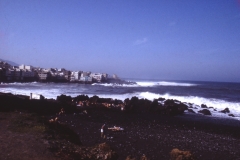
[(102, 132)]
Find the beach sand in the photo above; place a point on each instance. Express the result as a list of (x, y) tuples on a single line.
[(156, 135), (151, 134)]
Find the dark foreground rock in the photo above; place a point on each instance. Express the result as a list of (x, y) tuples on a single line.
[(10, 102), (205, 112), (190, 110), (231, 115)]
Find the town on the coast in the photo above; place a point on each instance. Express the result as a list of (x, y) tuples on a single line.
[(28, 73)]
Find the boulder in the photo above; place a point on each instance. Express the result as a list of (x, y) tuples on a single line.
[(132, 105), (205, 112), (161, 99), (93, 99), (154, 106), (105, 100), (204, 106), (64, 98), (169, 102), (126, 101), (191, 111), (231, 115), (226, 110), (117, 101), (173, 108), (81, 98)]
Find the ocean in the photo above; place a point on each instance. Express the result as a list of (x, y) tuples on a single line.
[(218, 95)]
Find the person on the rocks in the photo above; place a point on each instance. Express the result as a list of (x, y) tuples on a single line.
[(102, 132)]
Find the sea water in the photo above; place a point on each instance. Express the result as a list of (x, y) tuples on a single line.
[(218, 95)]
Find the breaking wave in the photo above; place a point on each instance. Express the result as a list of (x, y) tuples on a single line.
[(164, 83), (147, 84), (216, 104), (121, 92)]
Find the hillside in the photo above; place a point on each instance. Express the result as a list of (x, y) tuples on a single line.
[(10, 62)]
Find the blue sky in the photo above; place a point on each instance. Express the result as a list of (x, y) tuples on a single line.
[(157, 39)]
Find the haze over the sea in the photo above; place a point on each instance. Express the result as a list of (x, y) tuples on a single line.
[(172, 40)]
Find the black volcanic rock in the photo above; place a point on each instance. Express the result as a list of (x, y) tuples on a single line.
[(231, 115), (11, 102), (226, 110), (132, 104), (205, 112), (64, 98), (105, 100), (81, 98), (161, 99), (173, 108), (154, 106), (170, 107), (204, 106), (190, 110)]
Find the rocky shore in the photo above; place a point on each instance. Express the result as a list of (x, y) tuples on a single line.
[(150, 130)]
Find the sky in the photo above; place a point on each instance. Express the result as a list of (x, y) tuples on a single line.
[(152, 39)]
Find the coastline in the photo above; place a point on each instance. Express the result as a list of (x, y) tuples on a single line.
[(151, 134)]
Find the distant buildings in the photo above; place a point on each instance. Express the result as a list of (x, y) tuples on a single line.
[(44, 76), (27, 73), (75, 76), (24, 67), (97, 77)]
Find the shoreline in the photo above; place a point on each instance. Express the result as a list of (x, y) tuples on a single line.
[(191, 107), (151, 134)]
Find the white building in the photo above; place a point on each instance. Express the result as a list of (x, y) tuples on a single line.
[(61, 70), (84, 74), (43, 76), (61, 76), (25, 67), (75, 75), (96, 77), (86, 79)]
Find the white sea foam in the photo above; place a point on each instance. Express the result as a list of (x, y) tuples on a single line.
[(164, 83), (116, 85), (147, 84), (217, 104)]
